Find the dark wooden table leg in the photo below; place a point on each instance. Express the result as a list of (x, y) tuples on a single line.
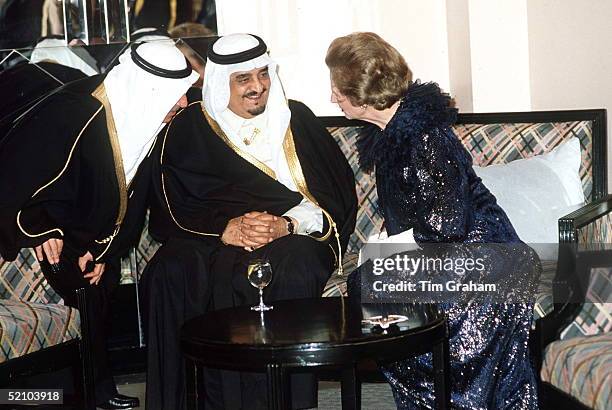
[(191, 384), (441, 365), (350, 388), (279, 388)]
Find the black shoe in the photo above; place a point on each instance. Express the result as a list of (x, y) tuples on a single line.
[(120, 401)]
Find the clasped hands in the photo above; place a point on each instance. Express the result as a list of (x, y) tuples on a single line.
[(254, 230), (52, 249)]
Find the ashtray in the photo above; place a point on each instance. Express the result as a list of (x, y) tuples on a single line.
[(384, 321)]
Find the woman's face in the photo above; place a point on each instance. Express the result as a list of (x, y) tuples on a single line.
[(350, 111)]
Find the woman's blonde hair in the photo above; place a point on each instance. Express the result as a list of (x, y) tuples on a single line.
[(368, 70)]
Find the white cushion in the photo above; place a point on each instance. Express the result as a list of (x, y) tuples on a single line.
[(536, 192)]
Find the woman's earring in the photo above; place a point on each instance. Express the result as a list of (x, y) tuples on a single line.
[(364, 106)]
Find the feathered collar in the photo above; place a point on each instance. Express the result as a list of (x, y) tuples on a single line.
[(423, 107)]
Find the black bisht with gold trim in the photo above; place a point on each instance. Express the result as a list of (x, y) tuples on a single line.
[(61, 176)]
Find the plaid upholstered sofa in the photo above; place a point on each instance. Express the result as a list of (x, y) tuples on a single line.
[(38, 333)]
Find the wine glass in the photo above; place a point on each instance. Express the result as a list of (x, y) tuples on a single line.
[(259, 274)]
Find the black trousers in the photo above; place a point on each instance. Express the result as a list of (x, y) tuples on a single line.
[(188, 277), (65, 282)]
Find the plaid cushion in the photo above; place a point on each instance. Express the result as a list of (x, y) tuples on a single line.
[(544, 299), (369, 220), (581, 367), (146, 247), (336, 285), (599, 231), (596, 314), (23, 280), (502, 143), (28, 327)]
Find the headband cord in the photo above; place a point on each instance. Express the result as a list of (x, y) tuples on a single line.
[(225, 59), (158, 71)]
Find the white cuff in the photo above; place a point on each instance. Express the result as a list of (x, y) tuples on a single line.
[(308, 216)]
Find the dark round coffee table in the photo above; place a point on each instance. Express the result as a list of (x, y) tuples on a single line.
[(310, 333)]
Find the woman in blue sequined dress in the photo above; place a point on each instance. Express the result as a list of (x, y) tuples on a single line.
[(425, 181)]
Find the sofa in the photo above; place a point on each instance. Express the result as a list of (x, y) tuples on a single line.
[(561, 329)]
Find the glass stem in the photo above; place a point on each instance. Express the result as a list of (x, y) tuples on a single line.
[(261, 303)]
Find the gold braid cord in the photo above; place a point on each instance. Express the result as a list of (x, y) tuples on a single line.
[(163, 180), (100, 94), (298, 178)]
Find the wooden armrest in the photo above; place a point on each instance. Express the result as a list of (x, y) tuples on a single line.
[(569, 224)]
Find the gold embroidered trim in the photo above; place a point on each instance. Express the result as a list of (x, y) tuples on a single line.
[(33, 235), (298, 178), (245, 155), (138, 7), (110, 237), (163, 182), (108, 240), (100, 94), (172, 21)]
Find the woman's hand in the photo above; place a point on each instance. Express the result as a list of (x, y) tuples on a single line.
[(95, 275), (52, 249)]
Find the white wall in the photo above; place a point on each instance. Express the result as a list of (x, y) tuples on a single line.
[(570, 57)]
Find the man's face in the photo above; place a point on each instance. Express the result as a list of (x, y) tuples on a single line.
[(249, 92), (182, 103)]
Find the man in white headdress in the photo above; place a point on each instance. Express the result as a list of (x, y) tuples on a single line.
[(74, 177), (156, 34), (243, 174)]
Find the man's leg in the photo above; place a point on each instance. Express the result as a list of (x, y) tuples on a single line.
[(175, 288), (65, 282)]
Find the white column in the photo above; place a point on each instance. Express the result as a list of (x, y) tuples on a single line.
[(459, 54)]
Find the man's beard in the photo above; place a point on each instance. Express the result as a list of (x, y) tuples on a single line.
[(257, 110)]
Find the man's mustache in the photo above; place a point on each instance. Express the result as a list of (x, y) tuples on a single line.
[(254, 93)]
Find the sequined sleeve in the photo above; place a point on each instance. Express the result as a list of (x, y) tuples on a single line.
[(443, 209)]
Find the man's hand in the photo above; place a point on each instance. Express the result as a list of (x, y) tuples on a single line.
[(95, 275), (261, 228), (52, 249), (232, 234)]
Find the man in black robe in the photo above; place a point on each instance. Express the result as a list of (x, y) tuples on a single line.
[(74, 177), (242, 174)]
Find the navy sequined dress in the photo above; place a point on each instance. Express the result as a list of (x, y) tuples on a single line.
[(425, 181)]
